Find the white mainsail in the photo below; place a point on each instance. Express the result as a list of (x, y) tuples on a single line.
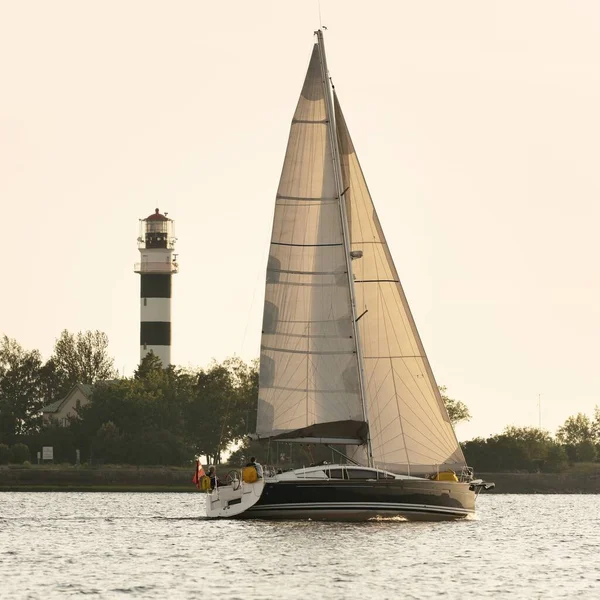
[(310, 387), (308, 383)]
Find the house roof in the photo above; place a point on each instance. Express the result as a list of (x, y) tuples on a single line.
[(54, 407)]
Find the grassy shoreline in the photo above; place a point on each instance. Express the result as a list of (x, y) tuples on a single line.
[(125, 478)]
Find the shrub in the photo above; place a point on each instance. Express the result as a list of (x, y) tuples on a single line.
[(4, 454), (586, 452), (557, 459), (19, 453)]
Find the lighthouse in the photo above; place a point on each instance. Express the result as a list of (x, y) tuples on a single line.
[(156, 244)]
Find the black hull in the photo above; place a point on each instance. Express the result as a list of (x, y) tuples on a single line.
[(362, 500)]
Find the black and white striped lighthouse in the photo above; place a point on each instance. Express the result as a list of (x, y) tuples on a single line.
[(158, 263)]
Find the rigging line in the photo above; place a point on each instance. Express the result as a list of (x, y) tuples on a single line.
[(396, 391), (431, 445), (432, 409), (439, 433), (338, 173), (286, 405), (443, 433), (429, 456), (441, 409)]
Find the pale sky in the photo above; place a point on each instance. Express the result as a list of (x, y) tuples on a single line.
[(477, 125)]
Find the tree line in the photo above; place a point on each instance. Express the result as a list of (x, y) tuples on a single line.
[(532, 449), (166, 416), (156, 417), (28, 383)]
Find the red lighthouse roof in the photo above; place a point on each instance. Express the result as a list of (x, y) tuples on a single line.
[(157, 216)]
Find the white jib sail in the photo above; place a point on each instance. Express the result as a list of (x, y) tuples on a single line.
[(408, 422)]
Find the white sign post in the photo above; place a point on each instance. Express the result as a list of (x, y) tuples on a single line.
[(48, 453)]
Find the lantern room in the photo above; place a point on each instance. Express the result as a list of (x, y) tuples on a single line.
[(156, 231)]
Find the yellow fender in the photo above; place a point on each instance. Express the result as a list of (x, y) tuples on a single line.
[(205, 483), (249, 475), (445, 476)]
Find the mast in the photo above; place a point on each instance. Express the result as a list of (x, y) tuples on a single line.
[(337, 170)]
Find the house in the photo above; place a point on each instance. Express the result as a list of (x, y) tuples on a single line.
[(60, 411)]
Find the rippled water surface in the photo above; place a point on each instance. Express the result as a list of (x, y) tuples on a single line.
[(58, 545)]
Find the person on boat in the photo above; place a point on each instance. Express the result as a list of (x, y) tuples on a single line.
[(256, 465), (212, 473)]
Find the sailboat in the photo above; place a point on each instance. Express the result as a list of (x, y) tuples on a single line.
[(341, 362)]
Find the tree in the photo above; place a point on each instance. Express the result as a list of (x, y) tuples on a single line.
[(4, 454), (457, 410), (207, 415), (585, 451), (145, 414), (222, 407), (108, 443), (596, 425), (575, 430), (83, 358), (516, 448), (21, 397), (53, 382), (556, 459), (535, 441), (149, 364)]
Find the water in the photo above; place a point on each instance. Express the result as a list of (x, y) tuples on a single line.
[(60, 545)]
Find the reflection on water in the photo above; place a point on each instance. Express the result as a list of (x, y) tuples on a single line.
[(57, 545)]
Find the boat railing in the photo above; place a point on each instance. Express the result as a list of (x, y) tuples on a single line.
[(466, 474), (270, 470)]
